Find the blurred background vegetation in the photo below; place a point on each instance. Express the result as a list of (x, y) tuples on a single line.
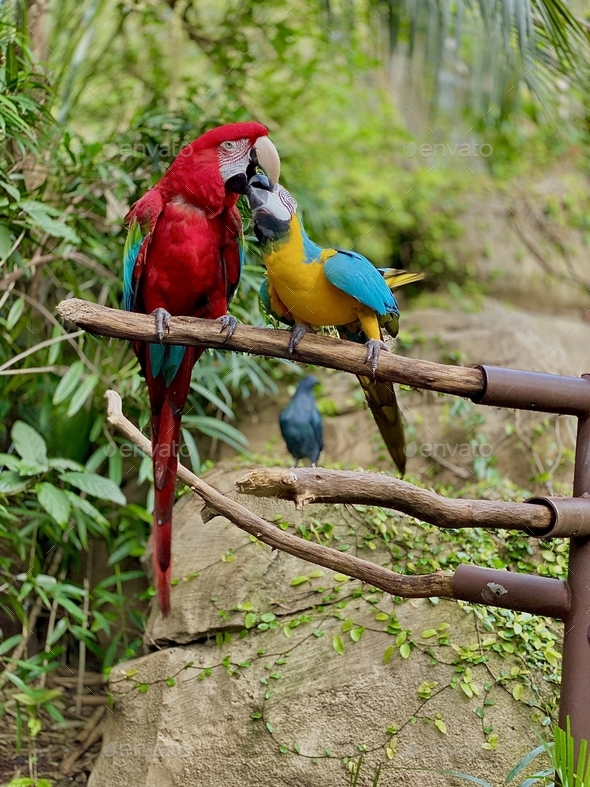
[(96, 98)]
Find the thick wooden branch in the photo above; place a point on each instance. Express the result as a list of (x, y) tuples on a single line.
[(311, 485), (439, 584), (319, 350)]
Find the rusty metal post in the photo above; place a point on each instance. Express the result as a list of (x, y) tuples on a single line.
[(575, 680)]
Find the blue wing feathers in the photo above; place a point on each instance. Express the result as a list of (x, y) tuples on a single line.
[(356, 276), (133, 243), (165, 359)]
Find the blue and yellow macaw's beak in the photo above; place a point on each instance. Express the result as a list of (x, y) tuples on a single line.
[(272, 207)]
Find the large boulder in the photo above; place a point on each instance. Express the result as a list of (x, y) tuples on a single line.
[(271, 672)]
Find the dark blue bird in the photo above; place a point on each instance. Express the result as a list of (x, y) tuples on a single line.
[(301, 423)]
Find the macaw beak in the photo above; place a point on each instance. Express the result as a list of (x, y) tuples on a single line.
[(258, 190), (264, 155)]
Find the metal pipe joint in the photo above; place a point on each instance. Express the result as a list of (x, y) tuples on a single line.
[(570, 516), (546, 393)]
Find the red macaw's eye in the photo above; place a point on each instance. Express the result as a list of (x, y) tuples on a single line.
[(234, 149), (234, 157)]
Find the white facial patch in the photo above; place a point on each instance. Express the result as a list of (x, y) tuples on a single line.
[(234, 157), (279, 203), (287, 199)]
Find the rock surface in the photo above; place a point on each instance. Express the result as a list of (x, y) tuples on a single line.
[(269, 709)]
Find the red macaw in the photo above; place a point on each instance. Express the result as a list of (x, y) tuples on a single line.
[(183, 256)]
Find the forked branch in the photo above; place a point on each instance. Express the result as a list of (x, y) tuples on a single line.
[(439, 584)]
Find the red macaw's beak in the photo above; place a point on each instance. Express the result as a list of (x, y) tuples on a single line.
[(266, 156), (263, 155)]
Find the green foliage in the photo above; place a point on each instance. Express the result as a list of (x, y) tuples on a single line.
[(53, 507), (571, 771)]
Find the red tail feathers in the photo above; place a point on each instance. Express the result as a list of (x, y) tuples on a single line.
[(167, 404), (162, 578)]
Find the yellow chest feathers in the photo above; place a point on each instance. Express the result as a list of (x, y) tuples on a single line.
[(303, 287)]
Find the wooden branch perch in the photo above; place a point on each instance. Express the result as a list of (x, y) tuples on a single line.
[(320, 350), (507, 589), (311, 485), (439, 584)]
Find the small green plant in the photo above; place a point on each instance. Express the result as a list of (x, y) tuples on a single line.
[(355, 771), (569, 771)]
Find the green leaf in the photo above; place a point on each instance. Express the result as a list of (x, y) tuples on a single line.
[(10, 462), (58, 632), (83, 392), (14, 313), (10, 643), (192, 449), (518, 691), (338, 645), (86, 507), (466, 689), (29, 444), (298, 581), (5, 241), (10, 189), (69, 382), (440, 725), (11, 483), (526, 760), (250, 620), (65, 464), (55, 502), (95, 485), (467, 777), (388, 654), (428, 633), (405, 650), (39, 213), (357, 633), (341, 577), (34, 725)]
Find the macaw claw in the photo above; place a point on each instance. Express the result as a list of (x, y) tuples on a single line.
[(228, 323), (298, 331), (162, 318), (374, 347)]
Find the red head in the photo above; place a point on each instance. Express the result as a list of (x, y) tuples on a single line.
[(213, 170)]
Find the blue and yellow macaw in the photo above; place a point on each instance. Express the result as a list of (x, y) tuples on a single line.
[(307, 287)]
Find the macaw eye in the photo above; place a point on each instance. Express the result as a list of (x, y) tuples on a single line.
[(229, 145)]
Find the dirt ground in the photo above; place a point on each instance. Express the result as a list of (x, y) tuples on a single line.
[(53, 756)]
